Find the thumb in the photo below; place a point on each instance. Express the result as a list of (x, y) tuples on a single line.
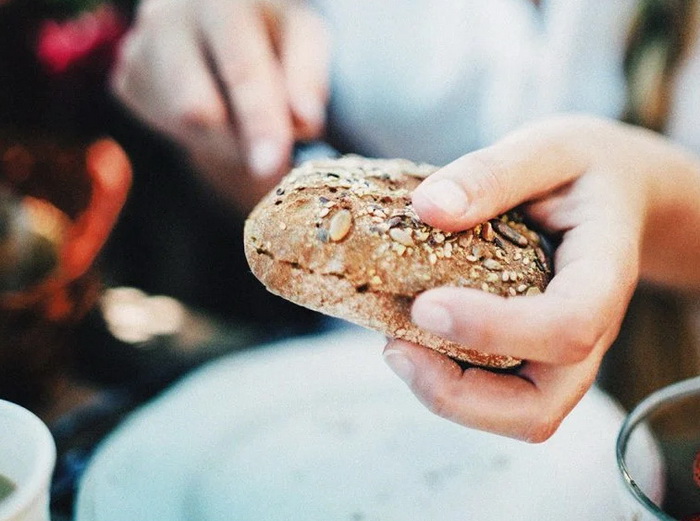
[(523, 166)]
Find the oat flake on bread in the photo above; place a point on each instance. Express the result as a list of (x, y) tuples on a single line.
[(340, 236)]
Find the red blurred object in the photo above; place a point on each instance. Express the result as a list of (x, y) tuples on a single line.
[(73, 195), (68, 44), (696, 478), (107, 172)]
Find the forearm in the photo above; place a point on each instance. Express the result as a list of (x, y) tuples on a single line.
[(671, 243)]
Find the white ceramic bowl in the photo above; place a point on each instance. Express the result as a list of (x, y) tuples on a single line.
[(27, 458)]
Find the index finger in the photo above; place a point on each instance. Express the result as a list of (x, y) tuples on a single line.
[(528, 406), (242, 49), (305, 49), (523, 166)]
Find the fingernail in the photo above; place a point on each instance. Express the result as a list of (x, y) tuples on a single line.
[(444, 194), (432, 317), (310, 111), (265, 158), (400, 364)]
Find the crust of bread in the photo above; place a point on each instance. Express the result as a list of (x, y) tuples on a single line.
[(340, 237)]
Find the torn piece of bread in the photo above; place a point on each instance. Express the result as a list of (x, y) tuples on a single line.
[(340, 236)]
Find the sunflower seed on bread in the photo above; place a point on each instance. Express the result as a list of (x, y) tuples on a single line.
[(341, 237)]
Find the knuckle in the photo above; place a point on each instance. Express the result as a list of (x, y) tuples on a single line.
[(118, 80), (489, 178), (123, 78), (197, 115), (244, 72), (578, 342), (486, 333), (440, 406), (257, 97), (541, 429), (441, 403)]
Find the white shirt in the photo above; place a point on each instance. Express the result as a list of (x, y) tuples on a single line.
[(433, 79)]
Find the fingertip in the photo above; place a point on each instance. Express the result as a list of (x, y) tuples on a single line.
[(401, 364), (266, 157), (310, 111), (442, 203), (427, 313)]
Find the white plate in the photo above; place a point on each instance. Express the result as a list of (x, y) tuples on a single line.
[(319, 429)]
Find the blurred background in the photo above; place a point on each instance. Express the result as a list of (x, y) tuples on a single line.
[(170, 288)]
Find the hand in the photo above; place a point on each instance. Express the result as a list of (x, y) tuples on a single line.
[(233, 81), (622, 199)]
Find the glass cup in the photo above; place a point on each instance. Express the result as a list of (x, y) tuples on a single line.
[(671, 416), (27, 459)]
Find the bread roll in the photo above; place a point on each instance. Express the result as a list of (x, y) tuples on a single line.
[(341, 237)]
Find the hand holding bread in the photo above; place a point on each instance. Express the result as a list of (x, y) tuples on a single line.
[(340, 236), (621, 199)]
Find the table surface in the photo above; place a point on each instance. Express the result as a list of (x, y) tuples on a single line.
[(115, 377)]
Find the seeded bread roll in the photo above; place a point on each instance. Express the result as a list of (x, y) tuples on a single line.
[(341, 237)]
